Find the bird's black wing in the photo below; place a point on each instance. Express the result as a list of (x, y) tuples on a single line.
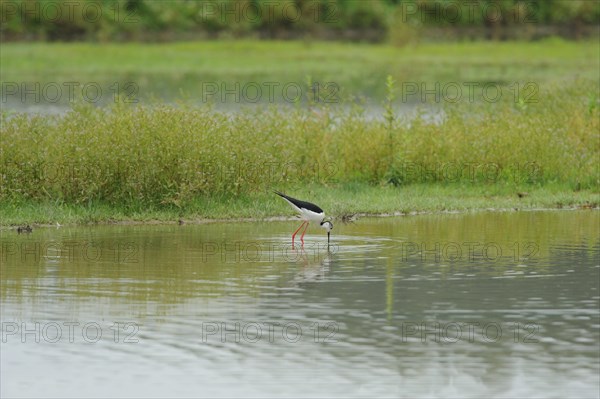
[(301, 204)]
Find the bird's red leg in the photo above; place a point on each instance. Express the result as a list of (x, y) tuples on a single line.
[(295, 232), (303, 232)]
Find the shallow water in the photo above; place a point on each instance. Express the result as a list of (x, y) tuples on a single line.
[(470, 305)]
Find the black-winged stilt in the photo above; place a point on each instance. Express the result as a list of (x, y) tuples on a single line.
[(309, 212)]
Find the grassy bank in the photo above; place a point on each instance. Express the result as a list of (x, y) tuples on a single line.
[(338, 202), (164, 162)]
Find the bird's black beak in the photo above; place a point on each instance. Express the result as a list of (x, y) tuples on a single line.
[(328, 234)]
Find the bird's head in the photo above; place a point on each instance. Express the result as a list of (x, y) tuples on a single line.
[(328, 226)]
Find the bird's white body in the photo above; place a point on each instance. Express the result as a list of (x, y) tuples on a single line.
[(307, 214)]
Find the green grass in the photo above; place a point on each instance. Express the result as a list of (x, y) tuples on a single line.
[(161, 162), (167, 70)]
